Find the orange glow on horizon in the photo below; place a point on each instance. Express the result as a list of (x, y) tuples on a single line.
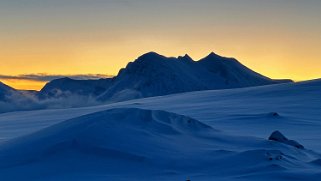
[(274, 55), (24, 84), (260, 63), (277, 39)]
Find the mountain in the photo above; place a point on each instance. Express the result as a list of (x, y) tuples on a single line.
[(65, 86), (149, 75), (5, 92), (14, 100), (155, 75)]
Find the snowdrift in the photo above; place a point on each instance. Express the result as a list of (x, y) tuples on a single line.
[(137, 144)]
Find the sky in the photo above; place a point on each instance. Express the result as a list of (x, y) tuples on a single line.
[(45, 39)]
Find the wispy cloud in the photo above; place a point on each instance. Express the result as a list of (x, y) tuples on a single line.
[(42, 77)]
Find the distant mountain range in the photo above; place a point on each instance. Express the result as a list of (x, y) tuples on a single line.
[(66, 86), (153, 75)]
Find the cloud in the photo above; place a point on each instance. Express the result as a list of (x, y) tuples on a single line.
[(42, 77), (24, 101)]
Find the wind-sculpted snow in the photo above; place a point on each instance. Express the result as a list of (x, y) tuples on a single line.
[(137, 144), (125, 130), (244, 111), (249, 114)]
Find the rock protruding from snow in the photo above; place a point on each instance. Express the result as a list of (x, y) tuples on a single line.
[(279, 137), (274, 114)]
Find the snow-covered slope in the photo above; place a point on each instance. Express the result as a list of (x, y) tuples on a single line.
[(136, 144), (154, 75), (243, 111), (5, 91), (112, 144), (65, 87), (12, 99)]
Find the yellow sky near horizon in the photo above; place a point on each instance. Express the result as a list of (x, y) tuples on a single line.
[(278, 69), (276, 39)]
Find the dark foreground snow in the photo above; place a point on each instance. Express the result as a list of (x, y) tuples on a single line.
[(208, 135)]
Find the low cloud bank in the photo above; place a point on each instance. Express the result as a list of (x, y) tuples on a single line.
[(49, 77), (23, 101)]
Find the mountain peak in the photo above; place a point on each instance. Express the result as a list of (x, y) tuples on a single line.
[(213, 55), (60, 80), (186, 58), (65, 78), (150, 55)]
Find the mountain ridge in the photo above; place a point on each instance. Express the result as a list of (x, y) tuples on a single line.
[(63, 87), (153, 74)]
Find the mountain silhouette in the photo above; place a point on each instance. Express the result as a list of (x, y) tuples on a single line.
[(154, 75), (149, 75), (5, 91), (64, 87)]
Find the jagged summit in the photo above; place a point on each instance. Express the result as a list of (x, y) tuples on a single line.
[(153, 74), (213, 55), (153, 56), (185, 58)]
